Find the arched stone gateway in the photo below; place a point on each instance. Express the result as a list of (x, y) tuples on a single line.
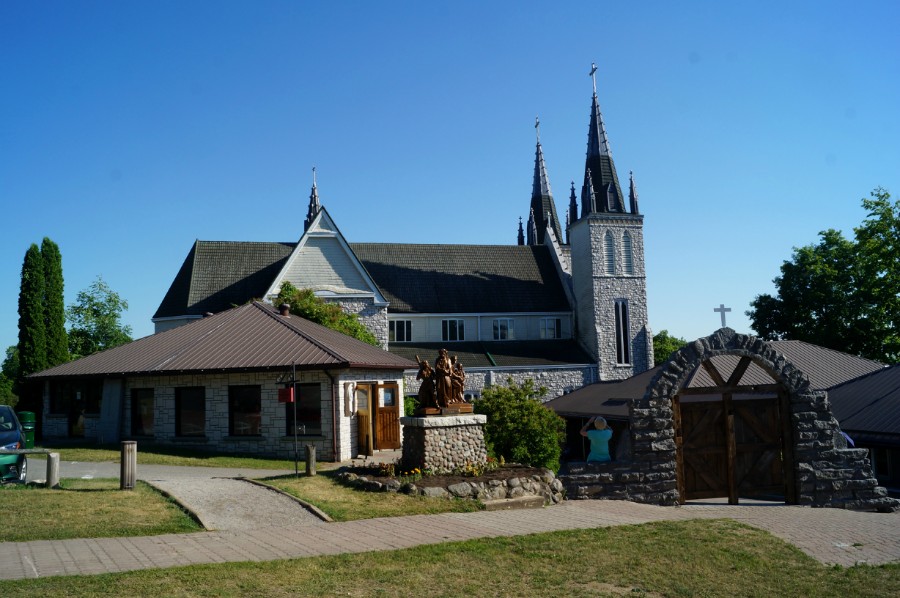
[(734, 436)]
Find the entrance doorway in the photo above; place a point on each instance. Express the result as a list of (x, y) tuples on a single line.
[(378, 417), (733, 441)]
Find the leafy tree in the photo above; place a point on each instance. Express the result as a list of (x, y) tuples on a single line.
[(519, 427), (9, 376), (54, 306), (664, 345), (305, 304), (840, 293), (96, 320), (32, 327)]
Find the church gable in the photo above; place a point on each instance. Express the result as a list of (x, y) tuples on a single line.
[(323, 262)]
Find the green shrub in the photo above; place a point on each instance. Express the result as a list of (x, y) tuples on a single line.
[(305, 304), (519, 427)]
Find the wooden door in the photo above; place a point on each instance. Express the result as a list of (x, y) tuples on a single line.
[(704, 454), (387, 418), (758, 460), (365, 441)]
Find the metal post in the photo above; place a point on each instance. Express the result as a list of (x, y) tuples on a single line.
[(128, 465), (310, 459), (52, 470), (296, 399)]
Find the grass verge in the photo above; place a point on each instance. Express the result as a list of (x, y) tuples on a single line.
[(689, 558), (347, 504), (150, 454), (88, 509)]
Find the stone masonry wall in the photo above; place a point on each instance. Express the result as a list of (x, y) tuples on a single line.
[(826, 472), (442, 444), (373, 317)]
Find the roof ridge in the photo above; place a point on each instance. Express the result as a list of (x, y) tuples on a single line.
[(829, 349), (277, 317)]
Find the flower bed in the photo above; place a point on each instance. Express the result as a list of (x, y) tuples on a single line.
[(508, 481)]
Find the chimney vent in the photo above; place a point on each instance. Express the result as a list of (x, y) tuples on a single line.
[(285, 310)]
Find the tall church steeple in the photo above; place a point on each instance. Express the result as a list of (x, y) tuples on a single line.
[(542, 204), (314, 205), (600, 178)]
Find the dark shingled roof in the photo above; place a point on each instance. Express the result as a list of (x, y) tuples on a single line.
[(464, 278), (868, 408), (499, 353), (824, 367), (217, 275), (252, 337)]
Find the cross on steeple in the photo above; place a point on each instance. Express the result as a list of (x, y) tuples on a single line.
[(593, 75), (722, 310), (314, 176), (537, 127)]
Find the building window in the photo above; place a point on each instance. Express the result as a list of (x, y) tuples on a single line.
[(190, 411), (504, 330), (623, 352), (400, 331), (453, 330), (627, 254), (142, 412), (309, 411), (609, 247), (80, 396), (551, 328), (244, 406)]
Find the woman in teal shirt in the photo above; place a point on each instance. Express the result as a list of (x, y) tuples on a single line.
[(599, 438)]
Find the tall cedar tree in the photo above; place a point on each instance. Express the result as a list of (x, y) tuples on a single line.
[(54, 305), (32, 329)]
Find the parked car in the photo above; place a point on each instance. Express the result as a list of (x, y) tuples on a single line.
[(13, 468)]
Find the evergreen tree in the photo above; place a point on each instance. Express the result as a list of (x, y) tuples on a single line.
[(54, 306), (32, 329)]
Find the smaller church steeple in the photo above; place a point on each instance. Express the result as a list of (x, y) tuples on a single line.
[(573, 205), (532, 229), (632, 194), (542, 204), (314, 205), (521, 232)]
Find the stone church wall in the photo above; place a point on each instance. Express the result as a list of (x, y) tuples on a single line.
[(374, 317)]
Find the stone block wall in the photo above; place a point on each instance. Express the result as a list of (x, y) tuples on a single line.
[(443, 443), (374, 317)]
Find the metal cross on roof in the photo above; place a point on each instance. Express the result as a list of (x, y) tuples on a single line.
[(537, 127), (721, 310), (314, 176), (593, 75)]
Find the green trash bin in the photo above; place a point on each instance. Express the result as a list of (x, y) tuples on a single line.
[(26, 418)]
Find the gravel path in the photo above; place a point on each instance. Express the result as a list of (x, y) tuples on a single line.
[(228, 504)]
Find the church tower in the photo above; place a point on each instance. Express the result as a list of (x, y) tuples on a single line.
[(608, 275), (543, 208)]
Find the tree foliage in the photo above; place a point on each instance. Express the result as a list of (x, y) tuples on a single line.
[(305, 304), (54, 304), (840, 293), (519, 427), (664, 345), (96, 320), (9, 377), (32, 327)]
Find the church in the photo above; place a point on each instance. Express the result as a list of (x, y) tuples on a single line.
[(566, 305)]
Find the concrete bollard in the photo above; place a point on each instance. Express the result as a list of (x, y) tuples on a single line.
[(310, 459), (128, 465), (52, 471)]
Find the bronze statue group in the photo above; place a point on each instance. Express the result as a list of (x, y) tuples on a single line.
[(443, 385)]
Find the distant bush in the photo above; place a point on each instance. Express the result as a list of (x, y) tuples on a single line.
[(519, 427)]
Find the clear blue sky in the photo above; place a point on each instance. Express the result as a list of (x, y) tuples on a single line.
[(130, 129)]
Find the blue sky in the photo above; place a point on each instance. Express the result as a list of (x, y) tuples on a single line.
[(130, 129)]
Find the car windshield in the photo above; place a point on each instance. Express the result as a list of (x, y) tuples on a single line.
[(7, 419)]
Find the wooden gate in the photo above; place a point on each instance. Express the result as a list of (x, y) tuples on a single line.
[(731, 447)]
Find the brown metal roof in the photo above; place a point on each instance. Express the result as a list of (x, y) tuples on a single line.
[(251, 337), (489, 354), (609, 399), (869, 407)]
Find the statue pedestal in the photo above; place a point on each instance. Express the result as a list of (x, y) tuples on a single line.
[(443, 443)]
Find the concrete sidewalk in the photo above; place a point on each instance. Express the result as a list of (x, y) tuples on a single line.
[(832, 536)]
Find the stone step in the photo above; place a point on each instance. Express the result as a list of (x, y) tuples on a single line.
[(508, 504)]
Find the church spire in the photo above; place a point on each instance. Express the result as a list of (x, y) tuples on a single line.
[(573, 205), (632, 194), (542, 204), (521, 232), (599, 166), (532, 229), (314, 205)]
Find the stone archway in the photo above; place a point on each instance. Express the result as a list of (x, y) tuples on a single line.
[(816, 467), (819, 469)]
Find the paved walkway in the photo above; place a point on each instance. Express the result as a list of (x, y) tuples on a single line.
[(832, 536)]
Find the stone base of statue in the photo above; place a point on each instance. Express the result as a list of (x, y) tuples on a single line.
[(443, 444)]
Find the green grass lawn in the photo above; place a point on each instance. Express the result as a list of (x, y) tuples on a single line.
[(690, 558), (150, 454), (88, 509)]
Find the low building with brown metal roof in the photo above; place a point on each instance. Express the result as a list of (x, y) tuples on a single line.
[(215, 384)]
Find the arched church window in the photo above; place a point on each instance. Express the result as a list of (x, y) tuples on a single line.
[(609, 247), (628, 256)]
